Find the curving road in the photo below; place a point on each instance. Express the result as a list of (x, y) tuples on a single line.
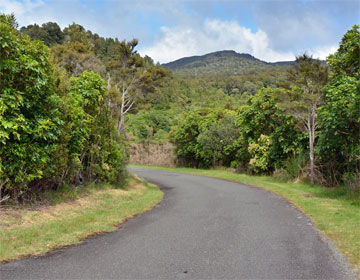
[(203, 229)]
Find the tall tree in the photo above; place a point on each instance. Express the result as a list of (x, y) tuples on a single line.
[(303, 97), (50, 33), (339, 142), (133, 76), (346, 59), (75, 58)]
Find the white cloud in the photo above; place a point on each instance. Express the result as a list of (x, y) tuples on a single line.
[(285, 28), (323, 52), (212, 35), (21, 9)]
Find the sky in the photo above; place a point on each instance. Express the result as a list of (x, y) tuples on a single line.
[(271, 30)]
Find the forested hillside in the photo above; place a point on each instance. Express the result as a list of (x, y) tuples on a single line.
[(73, 106), (223, 62)]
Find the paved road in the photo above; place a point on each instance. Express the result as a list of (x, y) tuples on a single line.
[(204, 229)]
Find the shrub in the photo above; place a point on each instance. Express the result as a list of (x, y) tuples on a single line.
[(29, 115)]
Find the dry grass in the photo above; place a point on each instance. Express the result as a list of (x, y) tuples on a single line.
[(161, 154)]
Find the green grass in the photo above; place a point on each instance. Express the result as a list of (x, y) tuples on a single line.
[(98, 209), (333, 211)]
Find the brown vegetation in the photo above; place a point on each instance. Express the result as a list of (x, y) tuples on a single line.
[(153, 153)]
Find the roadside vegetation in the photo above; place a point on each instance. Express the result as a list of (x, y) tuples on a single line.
[(334, 212), (69, 215)]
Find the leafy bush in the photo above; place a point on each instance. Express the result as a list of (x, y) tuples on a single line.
[(29, 116), (205, 138), (94, 151), (339, 143), (150, 125), (262, 116), (48, 139)]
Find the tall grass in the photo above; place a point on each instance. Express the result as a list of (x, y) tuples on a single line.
[(295, 166)]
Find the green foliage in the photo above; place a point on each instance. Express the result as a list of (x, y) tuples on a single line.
[(220, 140), (148, 125), (88, 133), (346, 59), (339, 142), (29, 115), (60, 124), (206, 137), (53, 131), (184, 136), (262, 116), (75, 33), (303, 97), (50, 33), (133, 76)]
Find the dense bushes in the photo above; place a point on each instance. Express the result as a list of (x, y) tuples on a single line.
[(90, 144), (205, 137), (258, 135), (149, 125), (29, 110), (48, 139)]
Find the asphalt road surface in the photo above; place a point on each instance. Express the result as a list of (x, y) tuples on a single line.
[(203, 229)]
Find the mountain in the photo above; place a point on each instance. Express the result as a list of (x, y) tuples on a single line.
[(222, 62)]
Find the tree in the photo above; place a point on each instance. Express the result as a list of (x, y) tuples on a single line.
[(219, 140), (302, 100), (339, 142), (75, 58), (50, 33), (54, 32), (262, 115), (133, 76), (77, 33), (346, 59), (185, 137)]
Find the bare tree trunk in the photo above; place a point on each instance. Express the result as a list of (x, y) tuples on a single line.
[(108, 82), (120, 124), (122, 115), (311, 132), (127, 103)]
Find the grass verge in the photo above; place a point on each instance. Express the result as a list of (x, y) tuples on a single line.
[(333, 211), (97, 209)]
